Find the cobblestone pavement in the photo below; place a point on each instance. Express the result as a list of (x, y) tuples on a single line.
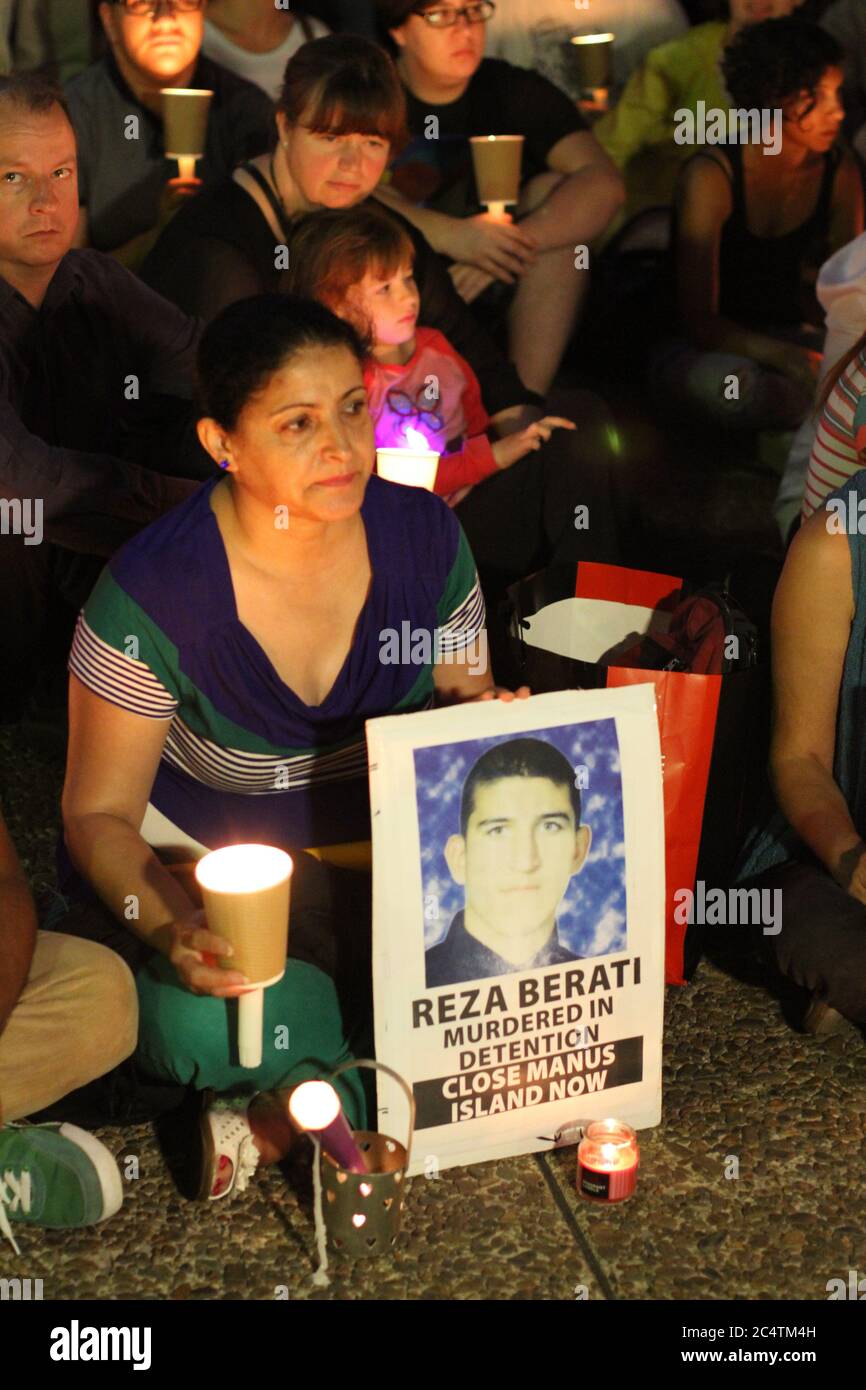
[(740, 1084)]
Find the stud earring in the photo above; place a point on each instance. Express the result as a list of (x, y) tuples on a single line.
[(224, 463)]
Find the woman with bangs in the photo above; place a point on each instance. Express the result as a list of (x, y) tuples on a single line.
[(340, 118)]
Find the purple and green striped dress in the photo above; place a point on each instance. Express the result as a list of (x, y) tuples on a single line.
[(245, 759)]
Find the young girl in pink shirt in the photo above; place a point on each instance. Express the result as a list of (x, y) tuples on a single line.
[(360, 264)]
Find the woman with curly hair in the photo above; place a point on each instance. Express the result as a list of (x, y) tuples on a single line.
[(753, 224), (674, 76)]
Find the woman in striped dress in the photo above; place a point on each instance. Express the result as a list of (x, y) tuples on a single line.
[(839, 449), (222, 672)]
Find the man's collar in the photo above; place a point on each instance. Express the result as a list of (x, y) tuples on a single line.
[(59, 287), (7, 292), (65, 278)]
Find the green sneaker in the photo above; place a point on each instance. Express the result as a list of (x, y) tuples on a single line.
[(57, 1176)]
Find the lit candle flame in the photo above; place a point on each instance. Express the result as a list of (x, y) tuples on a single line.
[(314, 1105), (416, 440)]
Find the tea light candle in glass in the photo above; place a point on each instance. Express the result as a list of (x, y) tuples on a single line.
[(607, 1161)]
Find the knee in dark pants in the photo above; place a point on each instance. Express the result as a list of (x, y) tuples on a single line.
[(821, 944)]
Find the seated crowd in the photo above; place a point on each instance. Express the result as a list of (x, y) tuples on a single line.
[(182, 359)]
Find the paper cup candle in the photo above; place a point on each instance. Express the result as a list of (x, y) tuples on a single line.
[(607, 1161), (414, 466), (245, 889), (185, 113), (315, 1108), (497, 160), (593, 60)]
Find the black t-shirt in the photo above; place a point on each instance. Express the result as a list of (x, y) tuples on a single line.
[(219, 248), (500, 100)]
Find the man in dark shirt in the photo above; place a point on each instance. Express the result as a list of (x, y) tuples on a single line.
[(570, 193), (520, 842), (95, 379), (117, 113)]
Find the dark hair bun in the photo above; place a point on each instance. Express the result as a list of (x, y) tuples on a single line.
[(243, 347)]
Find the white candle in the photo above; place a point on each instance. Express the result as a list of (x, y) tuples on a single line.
[(414, 466), (315, 1108), (593, 55), (497, 160), (246, 895), (186, 164)]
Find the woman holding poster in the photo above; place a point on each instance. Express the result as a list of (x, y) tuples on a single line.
[(222, 674)]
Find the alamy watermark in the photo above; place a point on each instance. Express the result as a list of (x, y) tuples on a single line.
[(20, 1290), (737, 126), (731, 907), (854, 1288), (77, 1343), (22, 517), (846, 517), (418, 646)]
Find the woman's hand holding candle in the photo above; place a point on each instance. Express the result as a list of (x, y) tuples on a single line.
[(194, 952), (516, 446), (502, 249)]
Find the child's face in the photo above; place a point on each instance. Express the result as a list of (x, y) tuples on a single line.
[(390, 307)]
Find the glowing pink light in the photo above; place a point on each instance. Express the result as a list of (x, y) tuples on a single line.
[(416, 440)]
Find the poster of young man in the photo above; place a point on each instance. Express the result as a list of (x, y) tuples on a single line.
[(518, 858)]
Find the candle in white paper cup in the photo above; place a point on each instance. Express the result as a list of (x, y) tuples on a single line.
[(411, 467)]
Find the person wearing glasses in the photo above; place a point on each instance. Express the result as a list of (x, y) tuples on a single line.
[(570, 190), (116, 110)]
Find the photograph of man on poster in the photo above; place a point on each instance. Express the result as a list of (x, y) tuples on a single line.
[(521, 841)]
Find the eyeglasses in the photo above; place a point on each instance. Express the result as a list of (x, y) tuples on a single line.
[(139, 8), (445, 19), (406, 408)]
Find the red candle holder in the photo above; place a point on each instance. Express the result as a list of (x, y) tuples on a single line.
[(607, 1161)]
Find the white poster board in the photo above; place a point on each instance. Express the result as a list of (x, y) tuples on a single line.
[(518, 920)]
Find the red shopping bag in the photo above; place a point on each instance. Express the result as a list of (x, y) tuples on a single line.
[(563, 624)]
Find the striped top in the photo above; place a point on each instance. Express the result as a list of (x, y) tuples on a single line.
[(245, 758), (840, 436)]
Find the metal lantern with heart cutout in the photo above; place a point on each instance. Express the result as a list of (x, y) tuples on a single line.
[(363, 1211)]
